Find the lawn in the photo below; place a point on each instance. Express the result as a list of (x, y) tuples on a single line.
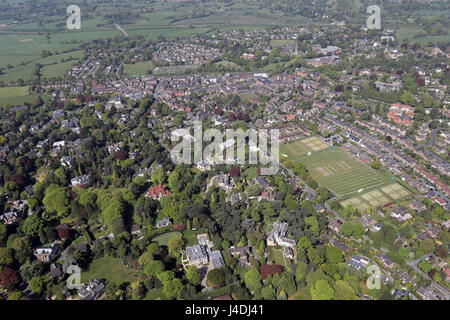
[(9, 92), (281, 42), (280, 259), (299, 148), (191, 236), (163, 239), (341, 173), (107, 268), (138, 69), (57, 70)]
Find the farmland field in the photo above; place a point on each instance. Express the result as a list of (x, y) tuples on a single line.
[(8, 92), (343, 174)]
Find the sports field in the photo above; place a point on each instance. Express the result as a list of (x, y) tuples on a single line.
[(138, 69), (301, 147), (343, 174), (377, 198)]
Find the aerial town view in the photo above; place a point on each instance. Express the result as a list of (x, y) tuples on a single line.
[(233, 150)]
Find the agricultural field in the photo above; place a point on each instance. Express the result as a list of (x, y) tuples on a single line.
[(377, 198), (301, 147), (8, 92), (138, 69), (343, 174), (163, 239)]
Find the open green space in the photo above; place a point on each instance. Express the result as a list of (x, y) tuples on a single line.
[(301, 147), (138, 69), (163, 239), (341, 173), (108, 268)]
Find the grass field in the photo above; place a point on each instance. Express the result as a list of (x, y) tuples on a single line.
[(410, 32), (9, 92), (57, 70), (107, 268), (377, 198), (163, 239), (138, 69), (301, 147), (343, 174), (281, 42)]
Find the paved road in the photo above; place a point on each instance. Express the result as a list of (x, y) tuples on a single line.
[(413, 264), (430, 143)]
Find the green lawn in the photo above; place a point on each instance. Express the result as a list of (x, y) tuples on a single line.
[(57, 70), (163, 239), (108, 268), (343, 174), (138, 69), (8, 92), (191, 236), (281, 42)]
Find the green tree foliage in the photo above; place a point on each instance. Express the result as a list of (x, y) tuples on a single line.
[(344, 291), (154, 268), (334, 255), (252, 278), (216, 277), (176, 245), (37, 284), (193, 275), (172, 289), (322, 291), (56, 200), (32, 225), (6, 256)]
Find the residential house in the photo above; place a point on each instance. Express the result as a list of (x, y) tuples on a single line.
[(93, 290), (163, 223)]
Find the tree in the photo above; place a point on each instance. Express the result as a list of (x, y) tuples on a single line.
[(56, 200), (22, 249), (252, 278), (322, 291), (137, 290), (158, 176), (9, 278), (193, 275), (347, 229), (216, 277), (425, 266), (175, 245), (304, 243), (6, 256), (32, 225), (15, 296), (301, 272), (334, 255), (376, 165), (154, 268), (3, 233), (172, 288), (37, 284), (344, 291), (145, 259)]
